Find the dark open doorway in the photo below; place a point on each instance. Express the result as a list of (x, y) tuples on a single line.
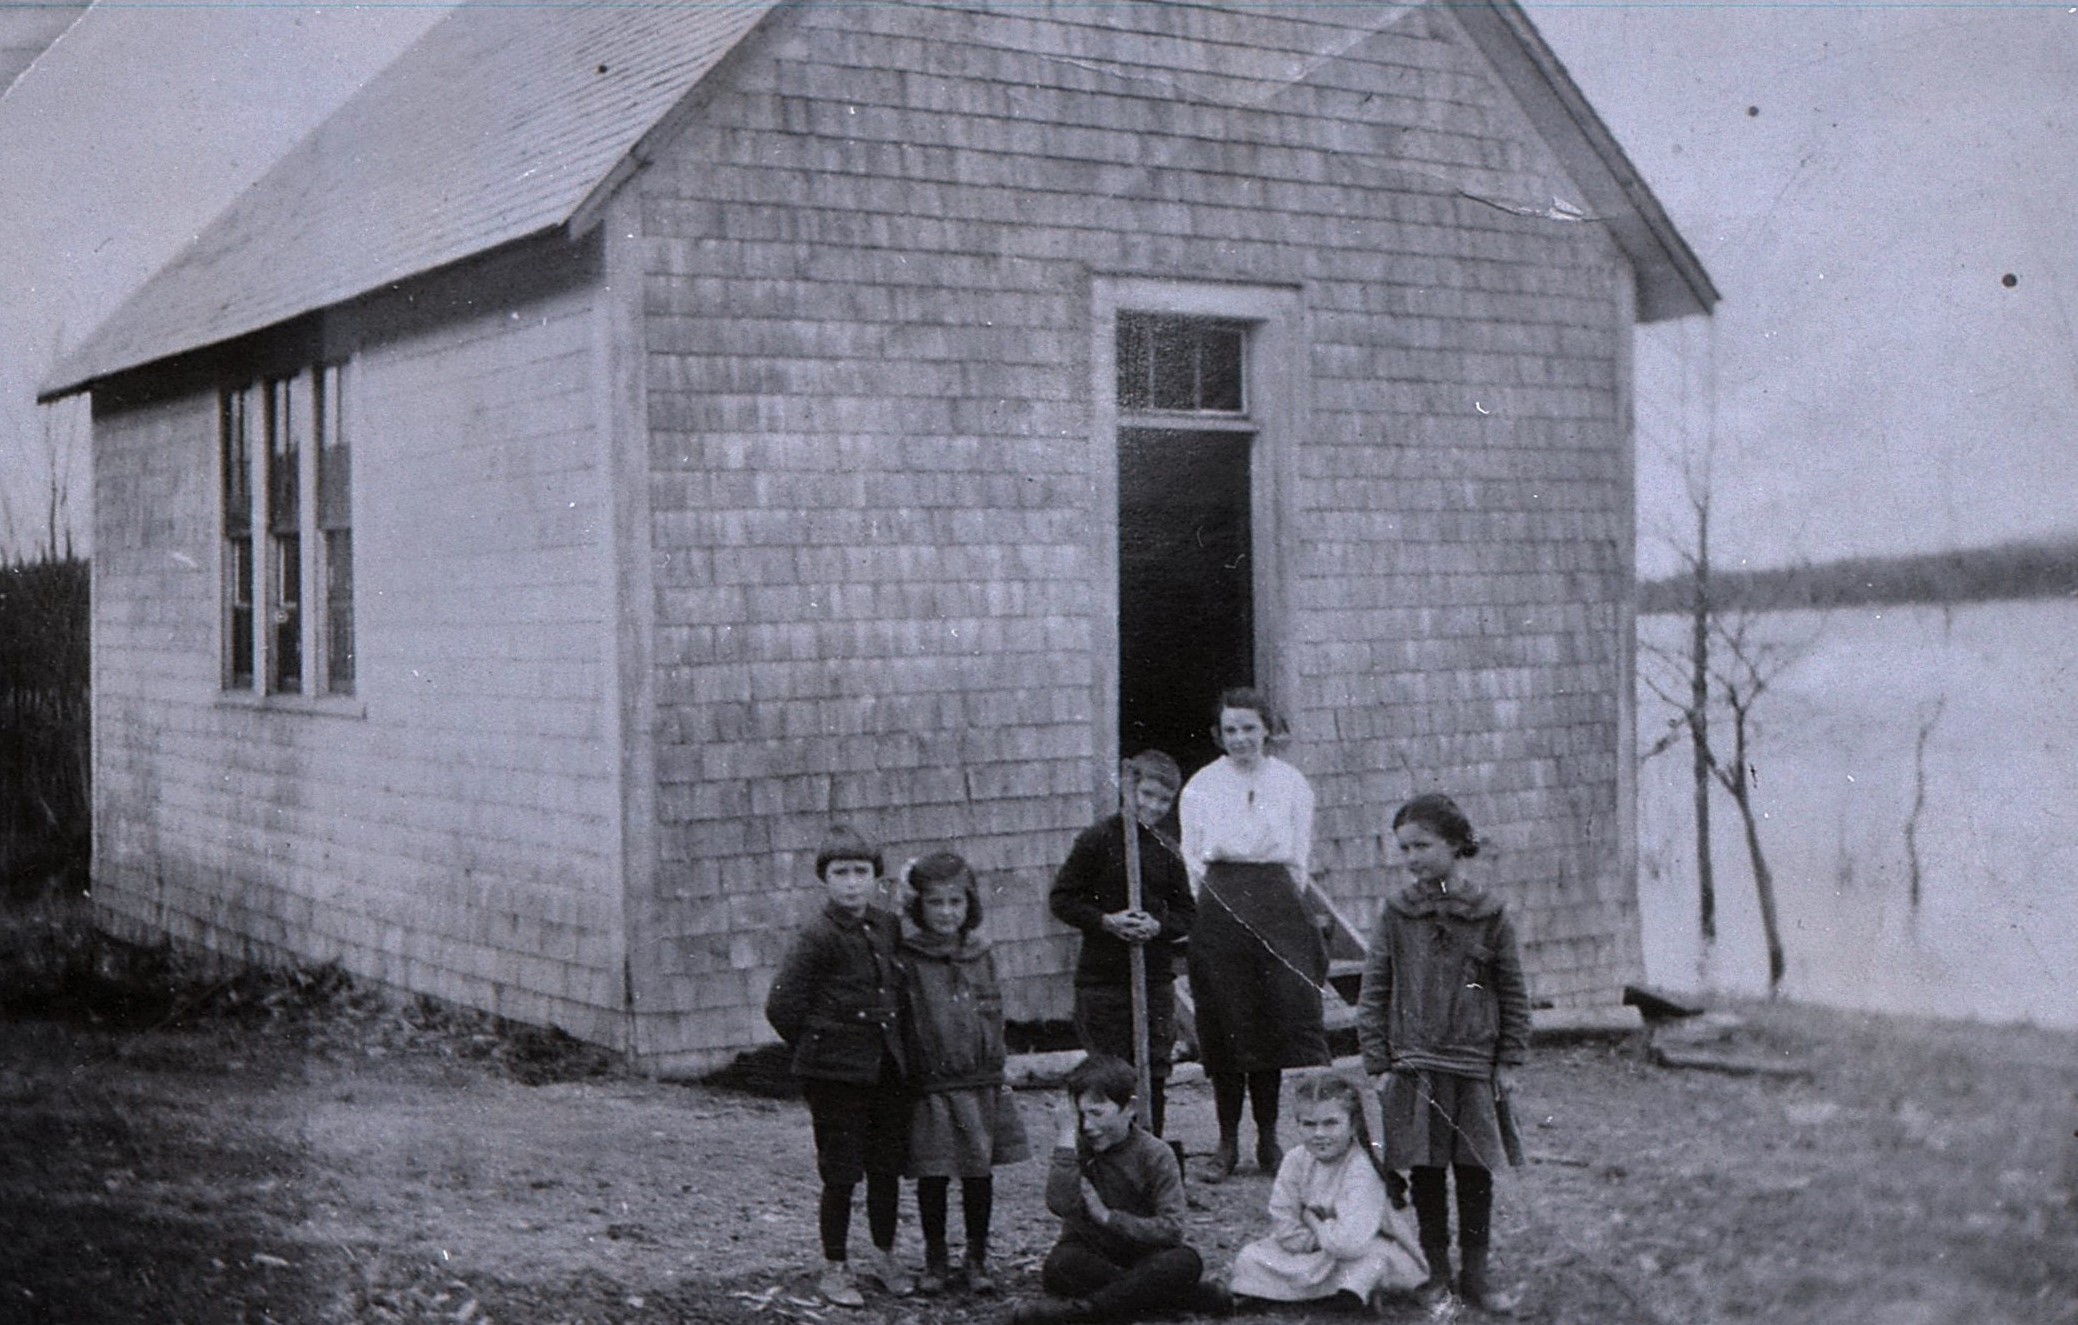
[(1186, 576)]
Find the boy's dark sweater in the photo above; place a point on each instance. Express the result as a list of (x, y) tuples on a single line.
[(1091, 884), (1137, 1179)]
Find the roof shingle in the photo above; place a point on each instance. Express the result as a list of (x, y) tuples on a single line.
[(498, 124)]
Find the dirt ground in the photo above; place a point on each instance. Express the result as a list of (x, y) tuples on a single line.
[(364, 1164)]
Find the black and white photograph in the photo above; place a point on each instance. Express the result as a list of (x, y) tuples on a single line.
[(1059, 662)]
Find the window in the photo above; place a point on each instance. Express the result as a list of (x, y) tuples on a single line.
[(1187, 364), (288, 536)]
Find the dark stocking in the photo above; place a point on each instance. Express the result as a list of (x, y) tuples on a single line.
[(1229, 1093), (977, 1207), (883, 1193), (930, 1212), (1475, 1205), (1264, 1090), (1432, 1205), (833, 1217)]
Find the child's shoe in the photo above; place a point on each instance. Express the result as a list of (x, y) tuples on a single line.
[(937, 1269), (885, 1271), (1050, 1311), (838, 1287), (1433, 1293), (979, 1280), (1476, 1287), (1268, 1154)]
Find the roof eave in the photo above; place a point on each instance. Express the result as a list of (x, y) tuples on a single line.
[(1671, 279)]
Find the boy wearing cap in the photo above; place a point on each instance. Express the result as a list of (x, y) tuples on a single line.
[(1089, 893), (834, 1002)]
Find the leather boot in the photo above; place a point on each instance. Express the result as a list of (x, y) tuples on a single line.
[(1268, 1154), (1476, 1286), (1434, 1291), (1226, 1157)]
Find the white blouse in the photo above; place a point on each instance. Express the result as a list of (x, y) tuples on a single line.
[(1264, 817)]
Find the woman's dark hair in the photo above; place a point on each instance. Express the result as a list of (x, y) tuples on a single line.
[(1440, 815), (1101, 1074), (943, 867), (1245, 697)]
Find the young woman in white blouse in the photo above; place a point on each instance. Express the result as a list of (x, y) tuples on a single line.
[(1257, 960)]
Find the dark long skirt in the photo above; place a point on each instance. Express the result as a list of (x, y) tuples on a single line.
[(1257, 965)]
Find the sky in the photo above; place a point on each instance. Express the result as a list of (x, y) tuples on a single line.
[(1884, 194), (134, 129), (1887, 198)]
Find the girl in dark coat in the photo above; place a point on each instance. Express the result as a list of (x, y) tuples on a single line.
[(1445, 1015), (965, 1122)]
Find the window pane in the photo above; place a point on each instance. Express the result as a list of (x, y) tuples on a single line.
[(1184, 364), (237, 462), (335, 523), (339, 611), (334, 458), (239, 571), (283, 459), (1134, 346), (1219, 369), (1175, 366), (287, 589)]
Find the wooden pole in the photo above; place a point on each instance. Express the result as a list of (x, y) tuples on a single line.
[(1129, 796)]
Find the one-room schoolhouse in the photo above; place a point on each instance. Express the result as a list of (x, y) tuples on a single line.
[(623, 440)]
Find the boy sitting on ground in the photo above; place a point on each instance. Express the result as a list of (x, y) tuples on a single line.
[(1121, 1255)]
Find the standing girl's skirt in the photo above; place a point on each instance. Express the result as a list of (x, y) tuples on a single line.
[(1257, 964), (965, 1133), (1438, 1119)]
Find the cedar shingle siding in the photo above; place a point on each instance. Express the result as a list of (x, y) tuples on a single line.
[(869, 394), (782, 496)]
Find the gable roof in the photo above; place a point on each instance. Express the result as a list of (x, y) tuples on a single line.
[(501, 122), (506, 121)]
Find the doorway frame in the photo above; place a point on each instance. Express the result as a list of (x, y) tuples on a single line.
[(1276, 392)]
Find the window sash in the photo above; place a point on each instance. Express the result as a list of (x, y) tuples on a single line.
[(287, 536), (1178, 365)]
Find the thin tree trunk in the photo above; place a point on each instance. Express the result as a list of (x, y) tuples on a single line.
[(1739, 782), (1699, 726)]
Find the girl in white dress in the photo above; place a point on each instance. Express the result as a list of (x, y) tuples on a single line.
[(1334, 1228)]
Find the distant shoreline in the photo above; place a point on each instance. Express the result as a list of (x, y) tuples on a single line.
[(2001, 572)]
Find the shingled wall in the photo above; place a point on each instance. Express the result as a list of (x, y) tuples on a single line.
[(868, 263), (452, 827)]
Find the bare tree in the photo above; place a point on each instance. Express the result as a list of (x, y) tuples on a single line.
[(1692, 707), (1927, 722), (1748, 666), (1723, 667)]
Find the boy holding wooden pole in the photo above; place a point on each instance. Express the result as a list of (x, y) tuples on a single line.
[(1130, 896)]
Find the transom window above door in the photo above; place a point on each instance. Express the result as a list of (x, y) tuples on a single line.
[(1173, 364)]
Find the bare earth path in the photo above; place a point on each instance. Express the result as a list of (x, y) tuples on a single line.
[(1922, 1174)]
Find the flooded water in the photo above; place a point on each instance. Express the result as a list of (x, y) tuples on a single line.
[(1994, 935)]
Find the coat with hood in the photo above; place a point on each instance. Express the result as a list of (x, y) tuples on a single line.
[(1443, 986), (966, 1122), (952, 1011)]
